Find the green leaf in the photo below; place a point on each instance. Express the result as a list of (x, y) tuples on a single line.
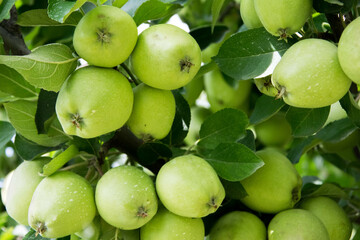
[(6, 133), (352, 109), (225, 126), (326, 189), (149, 153), (45, 109), (5, 9), (89, 145), (180, 126), (46, 67), (248, 140), (204, 37), (60, 10), (39, 17), (299, 147), (336, 131), (333, 6), (305, 122), (32, 235), (60, 160), (11, 82), (215, 11), (4, 97), (265, 107), (234, 161), (28, 150), (234, 190), (154, 9), (22, 116), (248, 54), (335, 2)]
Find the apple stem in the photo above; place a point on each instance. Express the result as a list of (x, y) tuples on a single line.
[(281, 92)]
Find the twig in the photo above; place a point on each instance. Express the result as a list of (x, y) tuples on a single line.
[(131, 75)]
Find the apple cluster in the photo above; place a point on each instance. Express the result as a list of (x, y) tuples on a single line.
[(164, 57)]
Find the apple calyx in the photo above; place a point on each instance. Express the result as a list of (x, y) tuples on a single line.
[(142, 212), (104, 35), (76, 120), (212, 203), (283, 34), (41, 228), (281, 92), (185, 64)]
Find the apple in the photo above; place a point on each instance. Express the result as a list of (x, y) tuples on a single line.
[(125, 197), (265, 86), (309, 75), (249, 15), (62, 204), (274, 187), (105, 36), (166, 57), (349, 54), (192, 90), (336, 113), (94, 101), (90, 232), (188, 186), (21, 188), (229, 96), (296, 224), (5, 186), (153, 112), (238, 225), (198, 116), (283, 18), (274, 132), (166, 225), (331, 215)]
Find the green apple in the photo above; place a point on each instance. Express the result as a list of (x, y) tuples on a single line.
[(265, 86), (22, 186), (296, 224), (166, 57), (90, 232), (228, 97), (238, 225), (166, 225), (283, 18), (5, 187), (134, 194), (62, 204), (309, 75), (274, 187), (153, 112), (274, 132), (105, 36), (331, 215), (94, 101), (349, 54), (188, 186), (249, 15), (336, 113), (193, 89), (198, 116)]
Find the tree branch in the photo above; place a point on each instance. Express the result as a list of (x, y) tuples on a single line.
[(11, 35)]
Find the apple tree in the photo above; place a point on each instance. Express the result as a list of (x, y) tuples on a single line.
[(179, 119)]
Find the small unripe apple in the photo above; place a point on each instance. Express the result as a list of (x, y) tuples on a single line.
[(249, 15), (153, 112), (309, 75), (62, 204), (274, 187), (221, 95), (238, 225), (126, 198), (94, 101), (274, 132), (105, 36), (296, 224), (265, 86), (22, 186), (198, 116), (188, 186), (166, 57), (166, 225), (283, 18), (331, 215)]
